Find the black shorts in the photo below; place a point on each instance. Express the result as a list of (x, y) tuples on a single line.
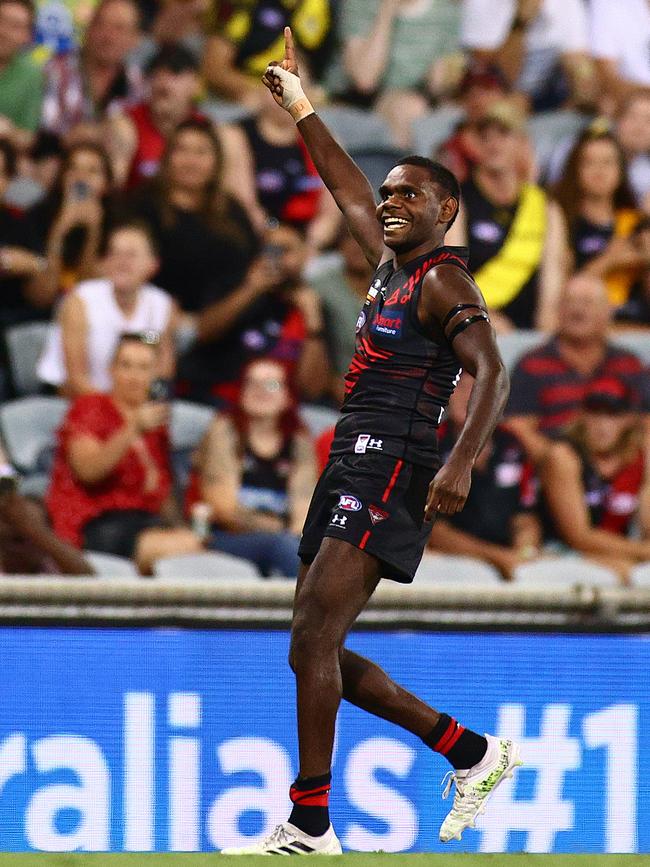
[(116, 532), (375, 503)]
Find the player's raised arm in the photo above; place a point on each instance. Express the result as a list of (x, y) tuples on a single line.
[(342, 177)]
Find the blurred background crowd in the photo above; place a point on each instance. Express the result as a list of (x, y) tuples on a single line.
[(178, 297)]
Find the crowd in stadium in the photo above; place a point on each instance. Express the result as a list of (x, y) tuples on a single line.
[(166, 245)]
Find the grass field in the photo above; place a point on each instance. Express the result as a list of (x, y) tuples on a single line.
[(360, 860)]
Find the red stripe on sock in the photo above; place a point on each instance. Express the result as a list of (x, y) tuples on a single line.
[(442, 743), (364, 540), (393, 479), (311, 797), (453, 739)]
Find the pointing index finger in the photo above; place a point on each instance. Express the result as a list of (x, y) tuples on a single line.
[(289, 49)]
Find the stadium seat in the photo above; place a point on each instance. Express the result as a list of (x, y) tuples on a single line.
[(189, 422), (318, 418), (431, 130), (210, 564), (28, 428), (634, 341), (25, 343), (355, 128), (565, 571), (34, 485), (548, 129), (110, 566), (641, 575), (516, 343), (375, 163), (221, 112), (451, 569)]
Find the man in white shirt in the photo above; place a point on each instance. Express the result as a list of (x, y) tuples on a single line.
[(620, 42), (529, 39)]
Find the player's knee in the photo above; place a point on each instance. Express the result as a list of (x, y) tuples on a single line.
[(308, 639)]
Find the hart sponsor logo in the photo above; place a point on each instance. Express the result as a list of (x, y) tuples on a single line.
[(390, 326), (349, 503), (361, 321)]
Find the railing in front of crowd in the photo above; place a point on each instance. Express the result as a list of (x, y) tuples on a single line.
[(267, 604)]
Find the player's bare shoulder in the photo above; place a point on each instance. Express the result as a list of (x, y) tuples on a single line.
[(445, 288)]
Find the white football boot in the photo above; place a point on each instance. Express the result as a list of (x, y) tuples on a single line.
[(475, 785), (289, 840)]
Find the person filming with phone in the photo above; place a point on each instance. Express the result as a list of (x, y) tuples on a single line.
[(111, 486), (271, 313), (70, 225)]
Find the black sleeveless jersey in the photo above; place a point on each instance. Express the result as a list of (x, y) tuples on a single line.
[(400, 379)]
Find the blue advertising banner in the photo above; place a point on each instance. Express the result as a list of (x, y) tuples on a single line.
[(172, 740)]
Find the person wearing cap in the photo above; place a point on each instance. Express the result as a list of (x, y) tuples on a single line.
[(482, 85), (595, 483), (138, 134), (515, 233)]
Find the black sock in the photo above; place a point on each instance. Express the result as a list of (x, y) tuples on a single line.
[(310, 797), (460, 746)]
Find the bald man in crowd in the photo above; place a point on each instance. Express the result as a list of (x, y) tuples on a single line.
[(548, 383)]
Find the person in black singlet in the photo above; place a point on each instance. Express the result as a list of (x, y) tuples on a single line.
[(255, 469), (371, 513)]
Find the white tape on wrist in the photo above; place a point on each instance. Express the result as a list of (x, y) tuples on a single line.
[(293, 96)]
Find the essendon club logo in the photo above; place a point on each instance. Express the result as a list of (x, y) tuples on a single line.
[(377, 514)]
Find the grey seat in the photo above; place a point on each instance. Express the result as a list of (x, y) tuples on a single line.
[(431, 130), (548, 129), (641, 575), (111, 566), (375, 163), (634, 341), (565, 571), (220, 111), (516, 343), (28, 427), (356, 128), (452, 569), (25, 343), (189, 422), (211, 564), (318, 418)]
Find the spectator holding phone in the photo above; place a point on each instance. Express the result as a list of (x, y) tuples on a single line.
[(111, 487), (78, 356), (70, 225), (271, 313)]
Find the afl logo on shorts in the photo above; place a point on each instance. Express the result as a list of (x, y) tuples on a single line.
[(349, 503), (361, 321)]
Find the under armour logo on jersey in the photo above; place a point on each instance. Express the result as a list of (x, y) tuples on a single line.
[(365, 442), (339, 520)]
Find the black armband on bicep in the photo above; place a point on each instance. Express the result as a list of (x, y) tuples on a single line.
[(460, 326), (455, 310), (465, 323)]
